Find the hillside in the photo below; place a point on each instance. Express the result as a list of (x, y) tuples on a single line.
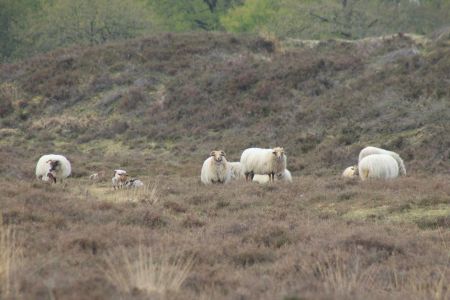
[(157, 106), (169, 99)]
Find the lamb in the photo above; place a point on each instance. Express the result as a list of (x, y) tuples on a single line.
[(381, 166), (99, 176), (53, 167), (374, 150), (263, 162), (236, 170), (285, 176), (216, 169), (119, 179), (133, 183), (350, 172)]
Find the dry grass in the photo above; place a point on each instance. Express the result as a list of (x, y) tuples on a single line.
[(10, 256), (147, 272)]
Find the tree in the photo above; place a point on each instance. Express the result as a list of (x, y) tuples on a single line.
[(64, 22), (178, 15), (11, 13)]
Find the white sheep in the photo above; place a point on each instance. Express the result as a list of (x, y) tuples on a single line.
[(350, 172), (262, 179), (133, 183), (381, 166), (53, 167), (263, 162), (119, 179), (99, 176), (236, 170), (374, 150), (216, 169)]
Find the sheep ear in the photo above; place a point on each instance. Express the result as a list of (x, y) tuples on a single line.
[(212, 153), (223, 153)]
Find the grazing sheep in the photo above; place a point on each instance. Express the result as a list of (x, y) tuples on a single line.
[(374, 150), (53, 167), (285, 176), (236, 170), (216, 169), (133, 183), (350, 172), (119, 179), (97, 176), (263, 162), (381, 166)]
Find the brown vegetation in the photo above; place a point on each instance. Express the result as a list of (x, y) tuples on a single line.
[(157, 106)]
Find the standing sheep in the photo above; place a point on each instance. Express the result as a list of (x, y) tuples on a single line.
[(53, 167), (374, 150), (236, 170), (263, 162), (119, 179), (350, 172), (216, 169), (381, 166), (285, 176)]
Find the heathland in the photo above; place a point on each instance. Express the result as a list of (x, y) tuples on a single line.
[(157, 106)]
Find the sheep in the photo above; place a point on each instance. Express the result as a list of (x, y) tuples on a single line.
[(97, 176), (374, 150), (53, 167), (119, 179), (236, 170), (382, 166), (285, 176), (216, 169), (350, 172), (263, 162), (133, 183)]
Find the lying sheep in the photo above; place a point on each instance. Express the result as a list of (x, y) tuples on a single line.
[(119, 179), (133, 183), (216, 169), (374, 150), (350, 172), (53, 167), (263, 162), (381, 166), (97, 176), (285, 176), (236, 170)]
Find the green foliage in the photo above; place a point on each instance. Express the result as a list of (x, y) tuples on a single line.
[(11, 13), (178, 15), (253, 15), (64, 22)]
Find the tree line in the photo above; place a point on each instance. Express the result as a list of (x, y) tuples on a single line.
[(28, 27)]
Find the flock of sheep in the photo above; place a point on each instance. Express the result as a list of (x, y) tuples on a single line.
[(256, 164), (265, 165)]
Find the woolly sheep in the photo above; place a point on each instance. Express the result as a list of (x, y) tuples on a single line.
[(374, 150), (133, 183), (263, 162), (216, 169), (53, 167), (381, 166), (119, 179), (285, 176), (350, 172), (236, 170)]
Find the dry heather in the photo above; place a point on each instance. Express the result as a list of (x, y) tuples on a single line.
[(318, 238), (157, 106)]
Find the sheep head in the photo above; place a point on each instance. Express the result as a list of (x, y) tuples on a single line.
[(218, 155), (53, 164), (278, 152)]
